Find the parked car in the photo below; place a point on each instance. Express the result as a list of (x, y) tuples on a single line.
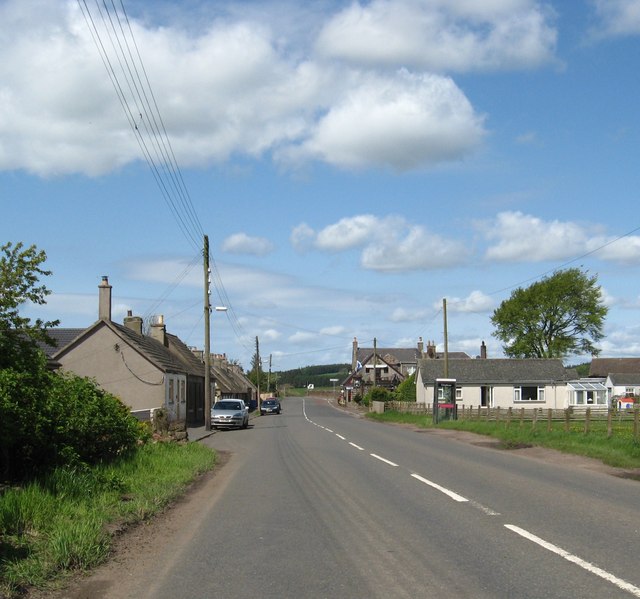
[(270, 405), (229, 413)]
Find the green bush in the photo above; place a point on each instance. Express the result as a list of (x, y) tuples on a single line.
[(377, 394), (50, 419), (406, 390)]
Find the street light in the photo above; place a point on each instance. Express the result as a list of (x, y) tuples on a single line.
[(207, 362)]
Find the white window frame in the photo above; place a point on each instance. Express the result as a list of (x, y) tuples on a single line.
[(517, 394)]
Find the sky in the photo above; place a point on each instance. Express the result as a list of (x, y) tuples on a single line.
[(353, 164)]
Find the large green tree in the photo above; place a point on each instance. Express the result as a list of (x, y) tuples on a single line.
[(558, 316), (20, 273)]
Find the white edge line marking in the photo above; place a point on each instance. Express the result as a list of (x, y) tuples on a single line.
[(622, 584), (356, 446), (451, 494), (340, 437), (377, 457)]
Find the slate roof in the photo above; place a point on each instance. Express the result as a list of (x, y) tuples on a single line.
[(497, 371), (62, 337), (602, 367), (157, 353), (403, 355), (621, 378)]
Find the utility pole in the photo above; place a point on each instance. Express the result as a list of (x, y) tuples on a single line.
[(258, 371), (207, 337), (375, 368), (446, 339), (269, 377)]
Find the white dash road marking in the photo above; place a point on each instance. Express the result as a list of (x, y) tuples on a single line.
[(356, 446), (622, 584), (483, 508), (447, 492), (327, 429), (340, 437), (377, 457)]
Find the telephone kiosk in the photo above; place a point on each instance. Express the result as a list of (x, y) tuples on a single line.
[(444, 400)]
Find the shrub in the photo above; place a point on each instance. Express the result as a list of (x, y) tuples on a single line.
[(50, 419), (406, 390), (377, 394)]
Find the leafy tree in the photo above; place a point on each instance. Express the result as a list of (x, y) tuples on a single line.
[(406, 390), (20, 273), (561, 315)]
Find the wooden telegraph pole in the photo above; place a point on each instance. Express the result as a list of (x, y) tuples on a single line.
[(207, 337), (446, 340)]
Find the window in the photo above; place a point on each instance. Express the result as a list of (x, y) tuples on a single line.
[(171, 391), (458, 393), (528, 393)]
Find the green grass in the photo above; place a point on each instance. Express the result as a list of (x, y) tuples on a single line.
[(60, 523), (620, 450)]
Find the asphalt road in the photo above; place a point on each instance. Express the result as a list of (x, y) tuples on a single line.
[(318, 503)]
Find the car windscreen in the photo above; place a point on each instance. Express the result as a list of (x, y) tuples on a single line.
[(269, 402), (227, 405)]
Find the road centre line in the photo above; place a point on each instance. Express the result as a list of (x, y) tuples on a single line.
[(622, 584), (377, 457), (341, 437), (447, 492), (356, 446)]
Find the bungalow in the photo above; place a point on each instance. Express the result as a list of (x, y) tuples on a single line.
[(621, 377), (145, 371), (499, 382)]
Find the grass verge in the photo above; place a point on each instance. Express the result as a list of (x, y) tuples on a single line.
[(61, 522), (619, 450)]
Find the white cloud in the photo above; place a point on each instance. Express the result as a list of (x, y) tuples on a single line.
[(302, 237), (270, 335), (519, 237), (302, 337), (349, 232), (413, 248), (617, 17), (442, 35), (333, 330), (233, 87), (241, 243), (625, 249), (390, 244), (405, 315), (475, 302), (402, 121)]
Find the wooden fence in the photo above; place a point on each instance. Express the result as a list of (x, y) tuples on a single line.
[(587, 419)]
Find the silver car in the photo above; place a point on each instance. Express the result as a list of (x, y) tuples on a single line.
[(229, 413)]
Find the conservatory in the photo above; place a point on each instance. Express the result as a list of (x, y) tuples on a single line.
[(587, 392)]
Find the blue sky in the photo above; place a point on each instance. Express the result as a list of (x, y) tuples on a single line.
[(352, 164)]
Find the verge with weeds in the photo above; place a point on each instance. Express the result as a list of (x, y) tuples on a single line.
[(60, 522), (620, 450)]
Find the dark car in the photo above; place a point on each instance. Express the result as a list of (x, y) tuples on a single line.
[(270, 406), (229, 413)]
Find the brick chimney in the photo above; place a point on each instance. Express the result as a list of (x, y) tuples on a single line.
[(158, 330), (431, 350), (483, 351), (104, 299), (133, 322), (420, 346)]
